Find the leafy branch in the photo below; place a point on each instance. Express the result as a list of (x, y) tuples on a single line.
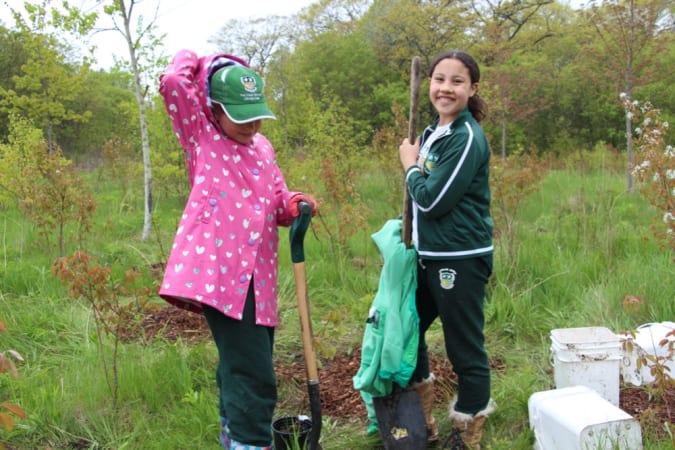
[(116, 305)]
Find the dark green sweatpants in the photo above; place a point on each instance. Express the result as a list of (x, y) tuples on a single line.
[(454, 290), (245, 374)]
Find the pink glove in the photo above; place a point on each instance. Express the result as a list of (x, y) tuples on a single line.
[(297, 198)]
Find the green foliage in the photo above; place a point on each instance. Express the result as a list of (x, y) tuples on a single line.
[(331, 66), (543, 94), (168, 159), (118, 160), (511, 181), (71, 402), (12, 57), (17, 157), (385, 145), (600, 158), (108, 97), (48, 189), (398, 30), (46, 88), (60, 199), (330, 174)]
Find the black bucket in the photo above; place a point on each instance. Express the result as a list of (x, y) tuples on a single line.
[(290, 433)]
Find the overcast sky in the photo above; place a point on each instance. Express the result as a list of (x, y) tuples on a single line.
[(186, 23)]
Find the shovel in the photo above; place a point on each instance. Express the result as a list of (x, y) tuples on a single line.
[(297, 235), (400, 417)]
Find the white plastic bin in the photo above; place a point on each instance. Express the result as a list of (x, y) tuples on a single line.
[(588, 356), (646, 343), (578, 418)]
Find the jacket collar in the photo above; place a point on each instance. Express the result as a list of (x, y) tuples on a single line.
[(459, 120)]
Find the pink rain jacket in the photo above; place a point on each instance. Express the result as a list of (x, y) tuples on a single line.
[(227, 235)]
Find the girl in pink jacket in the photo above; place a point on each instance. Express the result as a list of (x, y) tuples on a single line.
[(224, 258)]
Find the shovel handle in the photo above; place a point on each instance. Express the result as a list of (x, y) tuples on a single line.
[(298, 230), (297, 235), (305, 322)]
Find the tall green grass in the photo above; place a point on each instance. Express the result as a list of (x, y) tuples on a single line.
[(582, 245)]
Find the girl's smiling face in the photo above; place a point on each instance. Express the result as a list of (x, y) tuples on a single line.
[(450, 88)]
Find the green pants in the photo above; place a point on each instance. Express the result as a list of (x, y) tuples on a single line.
[(245, 374), (454, 290)]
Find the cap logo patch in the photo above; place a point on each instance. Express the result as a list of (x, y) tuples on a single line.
[(249, 83)]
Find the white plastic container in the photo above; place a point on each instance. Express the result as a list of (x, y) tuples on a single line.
[(588, 356), (646, 343), (578, 418)]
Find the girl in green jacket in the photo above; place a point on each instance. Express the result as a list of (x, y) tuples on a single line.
[(447, 172)]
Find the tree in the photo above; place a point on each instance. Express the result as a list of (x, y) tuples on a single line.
[(110, 98), (344, 67), (511, 29), (18, 157), (578, 114), (254, 40), (398, 30), (634, 34), (48, 83), (12, 57), (48, 189), (141, 42), (331, 15)]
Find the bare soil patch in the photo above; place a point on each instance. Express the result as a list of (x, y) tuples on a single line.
[(340, 400)]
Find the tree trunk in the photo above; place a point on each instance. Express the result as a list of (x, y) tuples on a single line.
[(147, 170), (503, 120), (50, 136), (145, 140), (629, 93), (629, 148), (503, 137)]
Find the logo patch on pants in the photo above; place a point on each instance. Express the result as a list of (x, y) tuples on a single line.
[(447, 278)]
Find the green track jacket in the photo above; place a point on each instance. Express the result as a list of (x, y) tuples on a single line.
[(450, 193)]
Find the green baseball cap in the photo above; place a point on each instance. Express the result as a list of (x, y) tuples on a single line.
[(239, 91)]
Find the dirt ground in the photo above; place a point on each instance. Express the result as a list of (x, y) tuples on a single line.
[(340, 400)]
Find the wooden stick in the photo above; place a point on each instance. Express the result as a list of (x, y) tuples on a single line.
[(406, 229)]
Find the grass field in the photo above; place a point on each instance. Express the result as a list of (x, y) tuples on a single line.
[(581, 245)]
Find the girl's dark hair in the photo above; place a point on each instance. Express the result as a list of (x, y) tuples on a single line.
[(477, 105)]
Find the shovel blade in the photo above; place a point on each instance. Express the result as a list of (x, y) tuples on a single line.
[(400, 419)]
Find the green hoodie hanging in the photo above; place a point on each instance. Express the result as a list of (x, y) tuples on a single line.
[(389, 346)]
